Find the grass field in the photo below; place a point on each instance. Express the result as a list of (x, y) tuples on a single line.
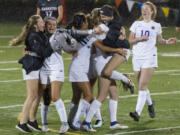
[(164, 87)]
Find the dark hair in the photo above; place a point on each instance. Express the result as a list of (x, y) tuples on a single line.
[(111, 8), (77, 21)]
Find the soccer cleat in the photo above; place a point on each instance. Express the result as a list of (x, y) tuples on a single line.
[(134, 115), (45, 128), (86, 126), (64, 128), (151, 110), (76, 125), (116, 125), (98, 123), (130, 85), (34, 125), (23, 128)]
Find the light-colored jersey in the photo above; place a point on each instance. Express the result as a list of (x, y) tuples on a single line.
[(145, 49), (53, 63), (101, 37), (81, 61)]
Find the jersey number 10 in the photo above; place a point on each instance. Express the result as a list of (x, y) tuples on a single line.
[(146, 33)]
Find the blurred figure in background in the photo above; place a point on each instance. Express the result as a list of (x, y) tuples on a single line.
[(50, 8), (178, 22)]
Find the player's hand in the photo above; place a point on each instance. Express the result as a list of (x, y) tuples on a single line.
[(121, 51), (98, 30), (144, 38), (171, 41)]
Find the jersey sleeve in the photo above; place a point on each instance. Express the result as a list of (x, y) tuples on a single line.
[(159, 29), (59, 2), (104, 28), (133, 27)]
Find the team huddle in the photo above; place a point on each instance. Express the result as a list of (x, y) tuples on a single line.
[(98, 44)]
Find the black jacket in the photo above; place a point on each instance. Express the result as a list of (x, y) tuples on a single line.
[(38, 43), (113, 34)]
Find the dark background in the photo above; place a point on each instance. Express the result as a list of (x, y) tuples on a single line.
[(20, 10)]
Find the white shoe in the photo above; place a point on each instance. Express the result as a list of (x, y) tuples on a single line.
[(45, 128), (87, 127), (76, 125), (64, 128), (117, 125)]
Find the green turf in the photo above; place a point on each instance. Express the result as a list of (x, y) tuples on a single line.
[(167, 106)]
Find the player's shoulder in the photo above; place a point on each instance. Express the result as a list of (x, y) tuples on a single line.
[(155, 23)]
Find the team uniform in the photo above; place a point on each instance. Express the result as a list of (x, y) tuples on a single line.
[(53, 69), (49, 8), (145, 52), (78, 70)]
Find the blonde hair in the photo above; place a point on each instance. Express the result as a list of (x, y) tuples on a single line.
[(94, 18), (29, 27), (153, 8)]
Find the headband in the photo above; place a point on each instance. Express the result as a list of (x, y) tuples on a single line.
[(50, 19)]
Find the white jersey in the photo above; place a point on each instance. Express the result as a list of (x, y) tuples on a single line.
[(78, 70), (53, 63), (145, 49)]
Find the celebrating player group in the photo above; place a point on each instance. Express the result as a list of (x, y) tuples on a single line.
[(98, 44)]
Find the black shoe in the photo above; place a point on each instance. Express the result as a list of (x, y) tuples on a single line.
[(151, 110), (23, 128), (33, 125), (134, 115)]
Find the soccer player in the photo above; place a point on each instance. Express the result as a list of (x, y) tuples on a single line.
[(50, 8), (53, 71), (39, 48), (145, 32), (105, 86)]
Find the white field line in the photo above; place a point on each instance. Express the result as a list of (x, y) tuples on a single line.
[(143, 131), (6, 36), (9, 69), (7, 46), (19, 105), (8, 62), (152, 94), (122, 97), (175, 74), (7, 81)]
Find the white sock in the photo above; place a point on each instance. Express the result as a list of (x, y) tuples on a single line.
[(61, 110), (72, 111), (118, 76), (141, 101), (44, 113), (82, 109), (98, 114), (113, 110), (148, 98), (95, 105)]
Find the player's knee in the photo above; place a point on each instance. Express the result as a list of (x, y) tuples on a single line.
[(106, 73)]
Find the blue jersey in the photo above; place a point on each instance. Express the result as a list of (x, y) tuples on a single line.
[(49, 8)]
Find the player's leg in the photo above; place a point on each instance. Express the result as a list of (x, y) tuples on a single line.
[(74, 103), (60, 108), (113, 105), (144, 77), (32, 94), (111, 66), (103, 86), (84, 103)]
